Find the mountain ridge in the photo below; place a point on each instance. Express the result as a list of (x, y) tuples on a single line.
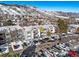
[(32, 14)]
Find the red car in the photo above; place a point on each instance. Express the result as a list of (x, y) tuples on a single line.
[(73, 53)]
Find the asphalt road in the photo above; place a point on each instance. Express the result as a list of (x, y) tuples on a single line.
[(29, 52)]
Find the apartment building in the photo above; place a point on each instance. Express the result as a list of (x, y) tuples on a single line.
[(28, 33), (36, 33)]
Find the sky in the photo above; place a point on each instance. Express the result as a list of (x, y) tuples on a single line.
[(66, 6)]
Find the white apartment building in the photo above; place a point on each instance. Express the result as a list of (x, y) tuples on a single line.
[(28, 33), (36, 32)]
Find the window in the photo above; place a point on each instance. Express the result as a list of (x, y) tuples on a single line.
[(1, 34), (1, 38)]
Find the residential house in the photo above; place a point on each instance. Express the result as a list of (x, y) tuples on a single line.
[(16, 46)]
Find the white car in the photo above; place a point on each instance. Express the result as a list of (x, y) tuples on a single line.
[(4, 50)]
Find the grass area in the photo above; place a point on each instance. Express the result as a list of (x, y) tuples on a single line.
[(49, 33), (10, 54), (42, 29)]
